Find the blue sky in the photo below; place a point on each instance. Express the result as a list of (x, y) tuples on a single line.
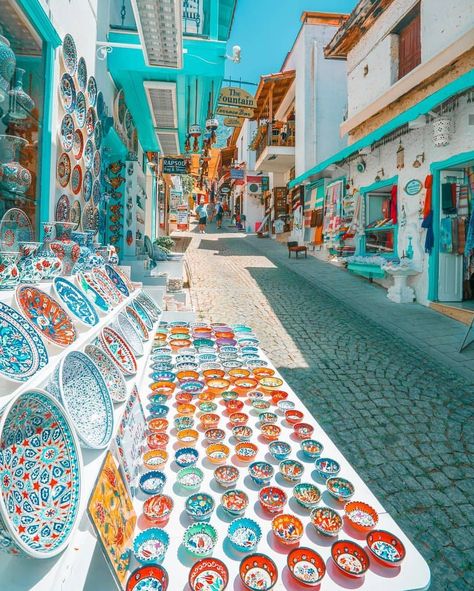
[(266, 29)]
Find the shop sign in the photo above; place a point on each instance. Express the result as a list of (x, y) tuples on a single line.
[(237, 173), (241, 112), (265, 183), (174, 166), (224, 190), (413, 187), (236, 97), (182, 218), (233, 121)]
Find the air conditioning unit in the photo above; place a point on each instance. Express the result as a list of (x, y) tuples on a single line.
[(254, 189)]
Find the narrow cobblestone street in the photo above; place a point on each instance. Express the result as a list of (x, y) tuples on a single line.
[(403, 420)]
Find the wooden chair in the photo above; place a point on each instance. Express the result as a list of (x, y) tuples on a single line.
[(296, 248)]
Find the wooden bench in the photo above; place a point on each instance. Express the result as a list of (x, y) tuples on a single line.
[(296, 248)]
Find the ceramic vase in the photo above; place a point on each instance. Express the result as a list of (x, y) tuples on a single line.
[(13, 176), (9, 273), (21, 104), (30, 264), (65, 248), (52, 265), (7, 62), (95, 259)]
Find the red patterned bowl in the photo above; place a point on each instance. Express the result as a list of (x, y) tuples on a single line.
[(272, 499), (270, 432), (226, 475), (158, 425), (385, 548), (246, 451), (303, 430), (288, 529), (258, 572), (294, 416), (209, 420), (183, 397), (214, 435), (208, 573), (361, 516), (350, 558), (326, 521), (186, 410), (158, 508), (234, 406), (157, 440), (148, 577), (238, 419), (306, 566), (278, 395)]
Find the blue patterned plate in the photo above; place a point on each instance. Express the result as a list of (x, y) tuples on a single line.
[(96, 163), (81, 109), (92, 90), (117, 280), (112, 376), (143, 314), (66, 132), (91, 119), (96, 195), (69, 54), (100, 105), (88, 286), (75, 301), (98, 134), (67, 90), (82, 73), (87, 185), (154, 311)]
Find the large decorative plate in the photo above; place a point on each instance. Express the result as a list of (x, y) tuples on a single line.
[(98, 134), (78, 384), (119, 106), (89, 154), (82, 73), (153, 310), (128, 123), (92, 91), (92, 291), (143, 314), (96, 193), (90, 218), (76, 179), (22, 351), (63, 170), (112, 377), (67, 90), (40, 475), (48, 317), (126, 328), (15, 227), (137, 323), (91, 119), (81, 109), (112, 295), (113, 517), (69, 54), (125, 279), (116, 347), (100, 105), (78, 144), (87, 185), (117, 280), (96, 164), (76, 211), (66, 132), (63, 209), (75, 301)]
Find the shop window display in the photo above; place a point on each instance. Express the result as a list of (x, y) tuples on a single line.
[(380, 237)]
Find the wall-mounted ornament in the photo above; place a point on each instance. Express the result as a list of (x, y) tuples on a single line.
[(441, 131), (361, 166), (413, 187), (420, 158), (380, 175), (400, 156)]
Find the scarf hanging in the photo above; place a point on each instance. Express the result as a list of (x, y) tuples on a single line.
[(394, 205), (428, 214)]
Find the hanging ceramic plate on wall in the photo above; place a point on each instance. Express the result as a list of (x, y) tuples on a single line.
[(128, 124), (98, 134), (63, 209), (119, 107), (69, 54), (82, 73), (76, 179), (66, 132), (96, 193), (90, 218), (100, 105), (91, 119), (92, 91), (87, 185), (102, 219), (76, 211), (96, 166), (81, 109), (15, 227), (89, 153), (63, 170), (77, 144), (67, 90)]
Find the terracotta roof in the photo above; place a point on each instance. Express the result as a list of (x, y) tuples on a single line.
[(280, 83)]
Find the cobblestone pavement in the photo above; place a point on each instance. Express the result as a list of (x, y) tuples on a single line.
[(410, 432)]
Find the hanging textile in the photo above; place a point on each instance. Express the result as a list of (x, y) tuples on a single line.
[(448, 203), (394, 204), (469, 247), (446, 236), (461, 235), (427, 222), (463, 200)]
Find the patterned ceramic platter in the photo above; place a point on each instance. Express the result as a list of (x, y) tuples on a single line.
[(63, 170), (91, 119), (82, 73), (69, 54), (15, 227), (118, 350), (96, 163), (41, 478), (112, 377), (145, 300), (143, 314), (119, 106), (208, 574), (78, 144), (91, 289), (112, 295), (117, 280), (96, 193), (67, 91), (81, 109), (66, 132), (45, 314), (90, 218), (87, 185), (76, 211), (98, 135), (63, 209), (75, 301), (89, 154), (76, 179), (138, 323), (100, 106), (92, 91), (79, 385), (22, 351), (128, 123), (127, 329)]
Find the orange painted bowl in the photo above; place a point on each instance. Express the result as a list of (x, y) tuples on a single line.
[(188, 375), (166, 388), (187, 437), (258, 571), (360, 515), (278, 395), (385, 548), (234, 406), (270, 383), (262, 372), (217, 385), (214, 435), (270, 432), (158, 425), (179, 329), (238, 372), (272, 499), (155, 459), (293, 416), (246, 451), (209, 420), (238, 419), (186, 409), (303, 430), (350, 558), (206, 396), (326, 521), (306, 566), (183, 397), (217, 453), (224, 335), (287, 529), (202, 330), (244, 385), (177, 344), (210, 374), (158, 508), (157, 440)]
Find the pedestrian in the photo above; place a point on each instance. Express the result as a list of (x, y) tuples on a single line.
[(219, 214), (201, 211)]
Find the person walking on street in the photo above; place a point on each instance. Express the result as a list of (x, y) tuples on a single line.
[(219, 214), (201, 211)]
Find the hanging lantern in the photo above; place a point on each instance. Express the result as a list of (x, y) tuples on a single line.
[(211, 125), (400, 156), (195, 132), (187, 144), (441, 131)]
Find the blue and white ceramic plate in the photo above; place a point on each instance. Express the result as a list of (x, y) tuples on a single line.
[(143, 314), (98, 134), (96, 194), (66, 132), (89, 154), (81, 109), (22, 350), (96, 163), (117, 280), (75, 301), (87, 185), (82, 74), (91, 119), (112, 376), (150, 306), (88, 286), (67, 90), (70, 54), (92, 91)]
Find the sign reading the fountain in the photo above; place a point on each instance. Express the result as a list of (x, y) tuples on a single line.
[(231, 96)]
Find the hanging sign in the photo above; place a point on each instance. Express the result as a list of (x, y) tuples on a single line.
[(225, 189), (241, 112), (265, 183), (236, 97), (413, 187), (233, 121), (237, 173), (174, 166)]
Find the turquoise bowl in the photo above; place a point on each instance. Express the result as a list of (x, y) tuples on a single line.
[(152, 482), (327, 467), (200, 539), (186, 457), (190, 478), (200, 506), (261, 472), (244, 534), (150, 546), (280, 450), (311, 448), (307, 494)]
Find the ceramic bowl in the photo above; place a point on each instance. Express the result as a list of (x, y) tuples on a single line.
[(185, 358), (203, 343), (272, 499), (158, 425), (177, 344), (257, 572), (181, 423), (361, 516), (209, 420), (269, 384), (150, 546), (208, 574), (244, 534), (186, 409), (192, 386), (187, 366), (350, 558), (235, 502), (217, 453), (157, 440), (190, 478), (158, 508), (207, 358), (269, 418), (161, 387), (214, 435), (326, 521), (340, 488), (163, 376), (150, 576), (229, 395), (261, 472), (306, 566), (206, 406), (200, 539), (157, 398), (236, 373), (255, 395), (183, 398), (125, 327), (213, 374), (279, 450), (210, 365), (307, 494), (206, 396), (226, 475), (260, 404), (186, 456), (327, 467), (242, 432), (278, 396), (263, 372), (311, 448), (234, 406), (288, 529), (200, 506), (385, 548), (155, 459), (252, 360), (187, 376), (152, 482), (187, 437), (270, 432), (158, 410), (284, 405), (246, 451), (291, 470), (217, 385), (293, 416), (237, 419), (303, 430), (161, 366), (244, 385)]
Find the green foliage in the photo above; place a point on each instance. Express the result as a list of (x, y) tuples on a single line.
[(165, 242)]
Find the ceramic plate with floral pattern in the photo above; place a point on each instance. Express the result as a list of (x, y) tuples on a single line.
[(81, 109), (63, 170), (69, 53), (118, 351), (91, 289), (66, 132), (75, 301), (82, 73), (110, 372), (67, 90)]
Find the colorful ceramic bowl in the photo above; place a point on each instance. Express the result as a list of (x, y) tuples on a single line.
[(238, 419), (199, 506), (177, 344), (270, 432), (213, 374), (246, 451), (226, 475), (261, 405), (187, 376), (242, 432), (361, 516), (234, 406), (200, 539), (244, 385), (163, 375), (214, 435), (386, 548), (272, 499), (326, 521), (303, 430), (262, 372), (206, 396), (288, 529), (291, 470), (155, 459), (327, 467), (269, 384), (278, 396), (186, 456), (306, 566), (350, 558), (161, 366), (217, 453), (229, 395), (235, 373), (187, 437), (293, 416), (186, 409), (269, 418), (340, 488), (279, 450), (185, 358), (192, 386), (261, 472), (163, 387), (158, 508), (207, 358), (258, 572), (208, 574), (158, 425), (217, 385), (150, 576), (311, 448), (284, 405), (182, 423), (235, 501), (209, 420), (183, 398), (150, 546), (190, 478), (157, 440), (244, 534), (307, 494), (207, 406), (158, 410), (187, 366), (152, 482), (157, 398)]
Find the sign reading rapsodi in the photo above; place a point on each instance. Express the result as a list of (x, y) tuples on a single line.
[(231, 96)]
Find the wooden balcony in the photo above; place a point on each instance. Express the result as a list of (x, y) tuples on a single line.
[(274, 146)]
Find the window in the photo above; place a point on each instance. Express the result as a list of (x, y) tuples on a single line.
[(409, 42), (379, 231)]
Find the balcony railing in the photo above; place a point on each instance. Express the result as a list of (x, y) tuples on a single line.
[(278, 133)]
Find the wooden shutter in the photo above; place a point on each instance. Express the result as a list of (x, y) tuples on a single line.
[(409, 53)]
